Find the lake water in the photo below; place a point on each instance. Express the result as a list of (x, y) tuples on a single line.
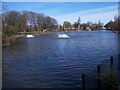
[(46, 61)]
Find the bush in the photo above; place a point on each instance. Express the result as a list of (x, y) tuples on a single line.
[(8, 40), (109, 81)]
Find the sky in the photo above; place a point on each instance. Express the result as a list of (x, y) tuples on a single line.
[(60, 0), (70, 11)]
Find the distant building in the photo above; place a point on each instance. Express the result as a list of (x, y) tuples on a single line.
[(88, 28)]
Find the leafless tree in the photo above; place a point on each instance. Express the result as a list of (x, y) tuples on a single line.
[(66, 24)]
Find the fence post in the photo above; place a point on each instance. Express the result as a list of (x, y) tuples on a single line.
[(111, 65), (84, 85), (119, 69), (98, 77), (119, 56), (111, 62)]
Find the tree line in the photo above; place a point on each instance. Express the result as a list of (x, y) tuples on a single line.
[(114, 25), (83, 26), (26, 21), (111, 25)]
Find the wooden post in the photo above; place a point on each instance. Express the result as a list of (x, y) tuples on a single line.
[(119, 56), (111, 65), (119, 69), (84, 85), (111, 61), (98, 77)]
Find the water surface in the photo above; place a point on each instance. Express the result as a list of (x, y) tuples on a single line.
[(46, 61)]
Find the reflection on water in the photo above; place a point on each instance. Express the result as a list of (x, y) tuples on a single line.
[(46, 61)]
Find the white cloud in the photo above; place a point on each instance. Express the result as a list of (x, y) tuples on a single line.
[(104, 14)]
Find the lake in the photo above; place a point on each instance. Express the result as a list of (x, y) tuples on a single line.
[(48, 62)]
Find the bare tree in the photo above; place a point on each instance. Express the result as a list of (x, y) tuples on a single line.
[(99, 25), (51, 23), (66, 24), (23, 21), (26, 21), (41, 21), (75, 25)]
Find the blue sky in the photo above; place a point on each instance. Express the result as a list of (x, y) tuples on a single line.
[(70, 11)]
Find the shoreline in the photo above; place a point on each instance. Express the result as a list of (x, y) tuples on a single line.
[(23, 34), (7, 41)]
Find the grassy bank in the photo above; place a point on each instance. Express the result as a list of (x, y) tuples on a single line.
[(21, 34), (8, 40), (34, 32)]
